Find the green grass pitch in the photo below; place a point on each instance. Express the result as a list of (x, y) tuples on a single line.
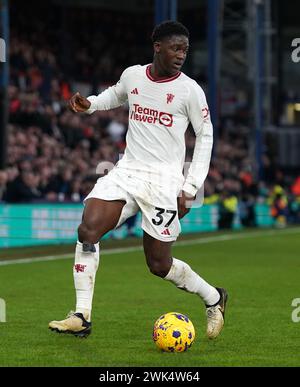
[(259, 269)]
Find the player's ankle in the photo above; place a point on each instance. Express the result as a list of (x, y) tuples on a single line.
[(85, 312)]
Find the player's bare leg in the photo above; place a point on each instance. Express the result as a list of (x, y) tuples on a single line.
[(158, 255), (161, 263), (98, 218)]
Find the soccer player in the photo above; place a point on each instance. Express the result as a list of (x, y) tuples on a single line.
[(162, 101)]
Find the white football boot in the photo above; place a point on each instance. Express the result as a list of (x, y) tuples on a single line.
[(75, 323), (216, 315)]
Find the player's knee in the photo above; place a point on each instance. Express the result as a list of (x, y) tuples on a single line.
[(87, 233), (159, 266)]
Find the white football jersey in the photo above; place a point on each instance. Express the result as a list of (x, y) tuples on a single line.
[(159, 114)]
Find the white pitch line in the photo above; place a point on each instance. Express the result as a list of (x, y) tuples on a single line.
[(216, 238)]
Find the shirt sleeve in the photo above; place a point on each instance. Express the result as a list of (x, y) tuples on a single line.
[(199, 117), (113, 97)]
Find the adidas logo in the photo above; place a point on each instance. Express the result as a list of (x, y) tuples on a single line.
[(166, 232), (134, 91)]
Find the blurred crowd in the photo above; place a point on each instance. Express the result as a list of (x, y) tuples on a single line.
[(53, 153)]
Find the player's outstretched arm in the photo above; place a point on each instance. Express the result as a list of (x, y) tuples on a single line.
[(112, 97), (78, 103)]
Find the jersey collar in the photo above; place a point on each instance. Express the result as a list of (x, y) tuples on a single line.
[(162, 80)]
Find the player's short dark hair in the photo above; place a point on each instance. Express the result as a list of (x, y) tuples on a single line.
[(167, 29)]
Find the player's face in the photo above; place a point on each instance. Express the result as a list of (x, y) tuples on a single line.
[(171, 53)]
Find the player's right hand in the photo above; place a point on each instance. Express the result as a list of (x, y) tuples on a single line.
[(78, 103)]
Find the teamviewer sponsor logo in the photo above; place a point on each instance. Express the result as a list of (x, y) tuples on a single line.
[(151, 116), (165, 119), (2, 50)]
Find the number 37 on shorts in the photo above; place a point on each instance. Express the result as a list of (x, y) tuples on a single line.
[(165, 223)]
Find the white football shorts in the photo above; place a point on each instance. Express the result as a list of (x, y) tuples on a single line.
[(159, 209)]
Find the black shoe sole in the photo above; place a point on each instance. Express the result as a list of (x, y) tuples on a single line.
[(82, 334)]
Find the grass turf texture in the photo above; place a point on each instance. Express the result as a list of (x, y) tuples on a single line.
[(260, 273)]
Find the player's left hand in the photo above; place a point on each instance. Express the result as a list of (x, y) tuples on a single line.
[(182, 202)]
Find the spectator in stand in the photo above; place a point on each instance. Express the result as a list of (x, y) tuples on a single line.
[(24, 188), (247, 210), (295, 188), (3, 182), (293, 210), (279, 207), (227, 209)]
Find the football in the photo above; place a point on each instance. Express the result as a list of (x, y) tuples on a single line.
[(173, 332)]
